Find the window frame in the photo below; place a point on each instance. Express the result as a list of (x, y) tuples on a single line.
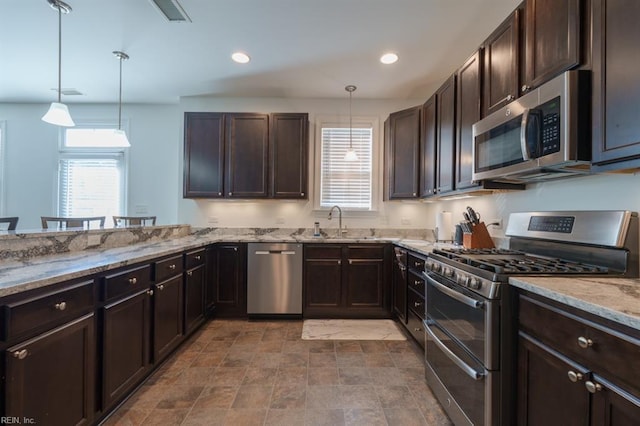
[(3, 167), (372, 122), (66, 153)]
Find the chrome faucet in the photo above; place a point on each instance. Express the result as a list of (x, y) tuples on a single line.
[(339, 219)]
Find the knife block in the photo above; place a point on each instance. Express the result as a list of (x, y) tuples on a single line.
[(478, 238)]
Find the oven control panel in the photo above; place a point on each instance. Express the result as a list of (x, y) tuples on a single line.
[(487, 288)]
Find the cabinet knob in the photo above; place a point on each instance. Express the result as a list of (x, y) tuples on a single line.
[(21, 354), (525, 88), (220, 194), (592, 386), (190, 273), (509, 98), (160, 287), (61, 306), (414, 194), (235, 249), (172, 267), (574, 377), (417, 329), (150, 292), (584, 343), (339, 262), (231, 193), (417, 304), (197, 257), (417, 282), (133, 280), (302, 194)]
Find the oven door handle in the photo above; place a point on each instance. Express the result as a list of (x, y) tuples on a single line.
[(477, 304), (469, 371)]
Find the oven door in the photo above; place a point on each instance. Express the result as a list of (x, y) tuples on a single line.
[(467, 391), (465, 316)]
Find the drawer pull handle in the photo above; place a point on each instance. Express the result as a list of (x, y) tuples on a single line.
[(61, 306), (160, 287), (417, 282), (584, 343), (574, 377), (150, 292), (190, 273), (592, 387), (21, 354), (197, 257), (172, 266), (133, 280)]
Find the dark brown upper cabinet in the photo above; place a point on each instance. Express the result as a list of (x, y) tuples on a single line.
[(288, 145), (247, 153), (428, 148), (552, 40), (446, 135), (403, 154), (468, 94), (501, 64), (203, 155), (616, 93)]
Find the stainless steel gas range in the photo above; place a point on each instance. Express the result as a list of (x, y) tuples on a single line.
[(465, 308)]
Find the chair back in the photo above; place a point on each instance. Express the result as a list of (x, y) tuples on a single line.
[(72, 222), (121, 221), (11, 221)]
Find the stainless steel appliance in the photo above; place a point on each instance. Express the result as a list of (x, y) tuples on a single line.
[(465, 362), (274, 279), (541, 135)]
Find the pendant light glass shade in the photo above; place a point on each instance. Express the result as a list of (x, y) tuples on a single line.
[(351, 153), (119, 135), (58, 113)]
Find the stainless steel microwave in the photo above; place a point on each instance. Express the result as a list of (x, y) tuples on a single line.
[(542, 135)]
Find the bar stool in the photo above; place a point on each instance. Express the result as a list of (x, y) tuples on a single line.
[(121, 221), (12, 221), (72, 222)]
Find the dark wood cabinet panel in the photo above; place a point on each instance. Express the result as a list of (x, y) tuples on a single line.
[(403, 159), (612, 406), (428, 148), (247, 150), (365, 284), (501, 64), (167, 317), (468, 106), (230, 287), (445, 130), (616, 92), (552, 40), (399, 284), (203, 154), (126, 324), (323, 284), (50, 378), (288, 145), (194, 298)]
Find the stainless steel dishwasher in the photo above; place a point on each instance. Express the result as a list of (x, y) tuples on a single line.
[(274, 279)]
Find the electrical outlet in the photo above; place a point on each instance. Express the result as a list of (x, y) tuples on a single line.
[(495, 223)]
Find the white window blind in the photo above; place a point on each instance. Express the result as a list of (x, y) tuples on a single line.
[(91, 186), (346, 183)]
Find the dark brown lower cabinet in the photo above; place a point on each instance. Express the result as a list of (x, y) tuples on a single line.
[(168, 323), (399, 284), (228, 283), (50, 378), (194, 298), (126, 345)]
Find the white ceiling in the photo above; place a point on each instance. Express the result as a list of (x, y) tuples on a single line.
[(299, 48)]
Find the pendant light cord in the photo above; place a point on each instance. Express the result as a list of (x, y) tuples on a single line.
[(59, 54), (120, 97), (350, 122)]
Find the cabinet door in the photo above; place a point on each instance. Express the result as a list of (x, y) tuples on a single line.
[(612, 406), (399, 284), (428, 148), (247, 137), (445, 130), (288, 144), (552, 40), (323, 285), (403, 162), (194, 298), (546, 396), (167, 317), (230, 283), (203, 154), (210, 286), (50, 378), (126, 324), (616, 93), (365, 284), (468, 112), (501, 65)]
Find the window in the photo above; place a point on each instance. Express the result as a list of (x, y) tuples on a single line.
[(2, 168), (91, 173), (348, 184)]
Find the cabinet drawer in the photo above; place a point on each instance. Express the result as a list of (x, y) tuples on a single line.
[(599, 348), (324, 251), (366, 251), (126, 282), (416, 282), (416, 262), (415, 326), (169, 267), (415, 302), (48, 310), (194, 258)]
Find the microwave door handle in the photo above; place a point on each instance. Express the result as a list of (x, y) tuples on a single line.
[(477, 304), (468, 370), (524, 146)]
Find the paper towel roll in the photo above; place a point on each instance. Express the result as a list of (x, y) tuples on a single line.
[(444, 226)]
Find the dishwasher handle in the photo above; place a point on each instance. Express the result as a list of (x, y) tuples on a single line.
[(284, 252)]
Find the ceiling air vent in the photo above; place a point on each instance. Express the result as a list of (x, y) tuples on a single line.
[(171, 10)]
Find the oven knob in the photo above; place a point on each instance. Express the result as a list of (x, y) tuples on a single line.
[(447, 272), (461, 279), (474, 283), (435, 267)]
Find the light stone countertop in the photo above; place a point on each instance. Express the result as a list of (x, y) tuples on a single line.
[(616, 299)]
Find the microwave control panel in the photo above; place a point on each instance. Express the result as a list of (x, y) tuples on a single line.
[(550, 126)]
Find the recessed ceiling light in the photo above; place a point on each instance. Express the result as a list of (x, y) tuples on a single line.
[(240, 57), (389, 58)]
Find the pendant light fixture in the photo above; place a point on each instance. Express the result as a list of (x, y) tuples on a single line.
[(58, 113), (120, 137), (351, 153)]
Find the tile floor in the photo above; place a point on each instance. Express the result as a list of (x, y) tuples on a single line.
[(234, 372)]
